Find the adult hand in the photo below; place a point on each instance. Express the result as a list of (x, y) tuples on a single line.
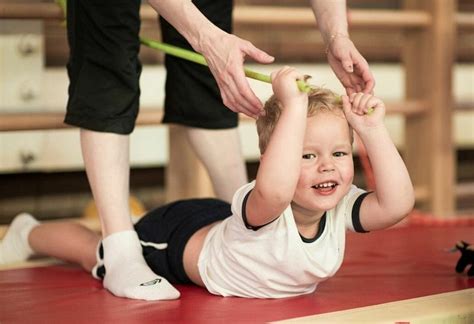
[(350, 66), (225, 58)]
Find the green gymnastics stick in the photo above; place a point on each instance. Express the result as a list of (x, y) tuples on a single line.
[(198, 58)]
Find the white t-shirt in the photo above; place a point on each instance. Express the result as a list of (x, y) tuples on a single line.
[(274, 261)]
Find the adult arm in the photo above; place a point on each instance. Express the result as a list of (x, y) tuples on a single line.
[(347, 63), (225, 53)]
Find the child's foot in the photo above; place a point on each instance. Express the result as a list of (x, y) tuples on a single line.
[(14, 247), (128, 275)]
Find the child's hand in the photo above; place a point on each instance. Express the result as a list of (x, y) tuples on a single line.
[(356, 108), (285, 87)]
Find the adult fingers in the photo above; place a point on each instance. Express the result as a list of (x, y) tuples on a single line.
[(362, 69), (242, 91), (344, 77), (346, 62), (356, 82), (236, 91), (247, 97), (347, 108), (236, 103), (369, 82), (257, 54)]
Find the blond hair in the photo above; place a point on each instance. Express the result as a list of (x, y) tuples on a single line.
[(319, 100)]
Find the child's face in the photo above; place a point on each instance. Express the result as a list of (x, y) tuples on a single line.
[(327, 169)]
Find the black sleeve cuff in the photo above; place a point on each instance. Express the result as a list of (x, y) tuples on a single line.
[(244, 215), (355, 213)]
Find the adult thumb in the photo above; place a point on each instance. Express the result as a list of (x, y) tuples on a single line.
[(346, 105), (347, 64)]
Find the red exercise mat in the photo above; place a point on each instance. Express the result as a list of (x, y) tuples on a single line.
[(379, 267)]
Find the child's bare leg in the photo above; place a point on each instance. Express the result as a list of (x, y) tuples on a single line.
[(68, 241), (64, 240)]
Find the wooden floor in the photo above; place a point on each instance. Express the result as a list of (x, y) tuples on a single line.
[(395, 276)]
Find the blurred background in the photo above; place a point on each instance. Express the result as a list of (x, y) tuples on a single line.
[(41, 171)]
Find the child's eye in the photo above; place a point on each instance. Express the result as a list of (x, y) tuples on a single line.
[(309, 156), (340, 154)]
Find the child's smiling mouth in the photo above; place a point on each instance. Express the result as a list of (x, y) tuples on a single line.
[(325, 188)]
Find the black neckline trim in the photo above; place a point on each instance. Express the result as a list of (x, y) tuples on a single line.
[(321, 227)]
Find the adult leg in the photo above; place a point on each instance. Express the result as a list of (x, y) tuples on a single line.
[(106, 158), (104, 71), (220, 151), (193, 101)]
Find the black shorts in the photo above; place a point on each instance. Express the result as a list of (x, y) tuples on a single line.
[(174, 224), (192, 95), (103, 67)]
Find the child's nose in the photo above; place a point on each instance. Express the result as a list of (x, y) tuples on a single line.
[(328, 169), (326, 165)]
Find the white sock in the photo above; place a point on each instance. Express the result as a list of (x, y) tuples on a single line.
[(126, 272), (14, 247)]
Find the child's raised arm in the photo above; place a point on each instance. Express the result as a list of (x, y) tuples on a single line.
[(393, 197), (280, 163)]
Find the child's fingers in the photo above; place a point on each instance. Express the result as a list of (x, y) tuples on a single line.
[(356, 106), (295, 74), (289, 72), (352, 96), (364, 102), (274, 74), (287, 69), (350, 91), (279, 72), (284, 83), (375, 103)]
